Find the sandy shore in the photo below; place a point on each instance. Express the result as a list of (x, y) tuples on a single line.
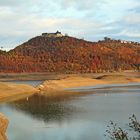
[(76, 82), (57, 87), (10, 91), (57, 76)]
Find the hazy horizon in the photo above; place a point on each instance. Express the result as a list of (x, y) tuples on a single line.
[(90, 19)]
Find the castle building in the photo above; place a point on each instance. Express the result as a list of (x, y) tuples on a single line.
[(52, 35)]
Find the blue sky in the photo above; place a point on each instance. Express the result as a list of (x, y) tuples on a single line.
[(21, 20)]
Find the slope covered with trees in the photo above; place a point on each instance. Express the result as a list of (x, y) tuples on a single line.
[(70, 55)]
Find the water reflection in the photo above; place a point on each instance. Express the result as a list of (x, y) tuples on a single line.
[(71, 117), (44, 108), (118, 89), (33, 83), (110, 89)]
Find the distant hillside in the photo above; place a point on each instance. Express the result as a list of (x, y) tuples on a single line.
[(71, 55)]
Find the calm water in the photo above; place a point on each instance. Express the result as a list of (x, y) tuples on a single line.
[(29, 82), (81, 117)]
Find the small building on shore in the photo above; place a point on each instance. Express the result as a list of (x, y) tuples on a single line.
[(53, 35)]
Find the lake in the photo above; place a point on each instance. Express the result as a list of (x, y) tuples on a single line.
[(33, 83), (79, 117)]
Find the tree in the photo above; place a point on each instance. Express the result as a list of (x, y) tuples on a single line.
[(107, 38), (66, 34), (116, 133)]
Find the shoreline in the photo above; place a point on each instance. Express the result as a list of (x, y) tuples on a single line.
[(4, 77), (62, 85), (73, 82), (10, 91)]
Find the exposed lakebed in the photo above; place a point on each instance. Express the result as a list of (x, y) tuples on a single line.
[(79, 117)]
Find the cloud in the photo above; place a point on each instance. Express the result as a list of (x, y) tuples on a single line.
[(128, 33), (15, 3), (80, 4), (9, 2), (132, 19), (91, 19)]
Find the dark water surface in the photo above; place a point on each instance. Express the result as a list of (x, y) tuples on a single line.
[(29, 82), (80, 117)]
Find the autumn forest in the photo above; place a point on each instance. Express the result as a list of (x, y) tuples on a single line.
[(71, 55)]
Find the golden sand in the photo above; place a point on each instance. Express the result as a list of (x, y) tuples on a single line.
[(76, 81), (9, 91)]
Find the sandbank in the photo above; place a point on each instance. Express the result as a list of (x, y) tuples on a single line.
[(62, 85), (10, 91), (78, 81)]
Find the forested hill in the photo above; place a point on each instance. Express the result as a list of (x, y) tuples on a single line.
[(71, 55)]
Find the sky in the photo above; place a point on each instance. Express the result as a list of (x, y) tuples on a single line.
[(92, 20)]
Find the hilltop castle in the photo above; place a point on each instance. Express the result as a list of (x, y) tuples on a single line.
[(52, 35)]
